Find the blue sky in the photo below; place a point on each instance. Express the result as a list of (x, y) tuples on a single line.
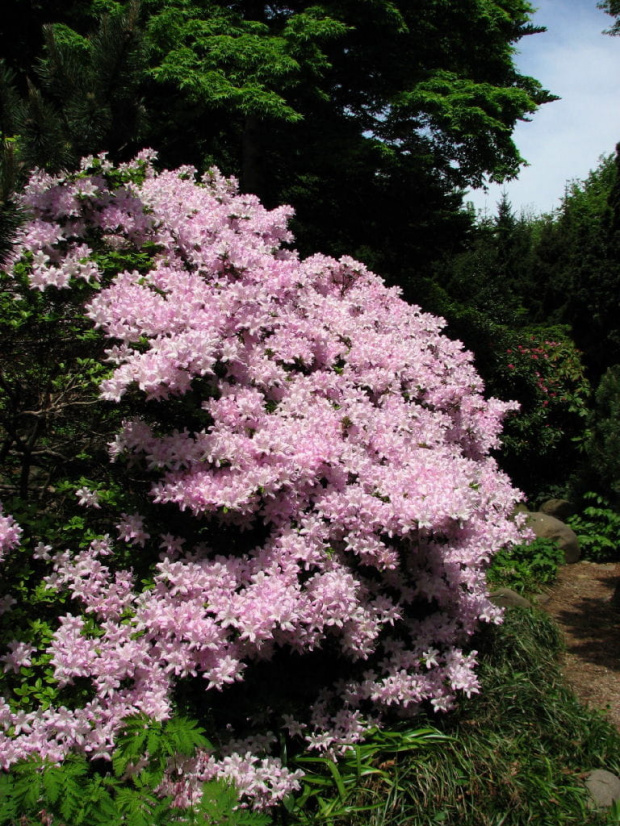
[(565, 139)]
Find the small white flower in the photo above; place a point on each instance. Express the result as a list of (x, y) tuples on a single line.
[(42, 551), (88, 498)]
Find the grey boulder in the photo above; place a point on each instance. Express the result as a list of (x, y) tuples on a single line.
[(548, 527), (604, 788), (507, 598), (560, 508)]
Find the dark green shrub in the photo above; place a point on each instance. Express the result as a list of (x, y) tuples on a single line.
[(603, 445), (541, 369)]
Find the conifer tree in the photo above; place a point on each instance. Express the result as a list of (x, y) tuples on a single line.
[(81, 96), (578, 266), (612, 7), (10, 166)]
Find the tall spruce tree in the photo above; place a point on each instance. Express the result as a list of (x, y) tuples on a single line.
[(489, 274)]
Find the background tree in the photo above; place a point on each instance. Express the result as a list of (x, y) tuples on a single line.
[(368, 117), (577, 261), (491, 273), (612, 7), (603, 445), (82, 96), (351, 105)]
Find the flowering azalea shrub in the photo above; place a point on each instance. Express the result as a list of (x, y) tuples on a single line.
[(556, 376), (311, 486), (10, 533)]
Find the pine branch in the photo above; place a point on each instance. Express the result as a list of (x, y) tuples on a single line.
[(44, 139)]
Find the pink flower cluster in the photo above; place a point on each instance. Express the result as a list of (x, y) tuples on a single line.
[(64, 213), (341, 421), (147, 640), (10, 533)]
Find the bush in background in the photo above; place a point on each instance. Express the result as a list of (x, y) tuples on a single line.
[(539, 367), (603, 444), (597, 527)]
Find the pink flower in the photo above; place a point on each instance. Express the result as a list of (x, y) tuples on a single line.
[(19, 655), (88, 498), (10, 533), (131, 529), (339, 429)]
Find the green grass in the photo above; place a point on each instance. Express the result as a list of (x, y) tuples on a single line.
[(514, 755)]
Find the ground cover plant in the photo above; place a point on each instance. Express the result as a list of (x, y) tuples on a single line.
[(521, 748), (516, 753), (526, 568), (125, 792), (290, 543)]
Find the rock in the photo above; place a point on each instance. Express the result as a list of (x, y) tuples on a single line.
[(549, 527), (507, 598), (604, 788), (560, 508)]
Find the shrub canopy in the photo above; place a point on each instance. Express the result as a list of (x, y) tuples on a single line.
[(318, 460)]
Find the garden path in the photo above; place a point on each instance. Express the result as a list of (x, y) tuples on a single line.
[(580, 603)]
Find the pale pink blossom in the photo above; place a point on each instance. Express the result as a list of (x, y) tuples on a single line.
[(88, 498), (337, 423)]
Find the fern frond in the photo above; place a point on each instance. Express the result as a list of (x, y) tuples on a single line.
[(185, 736)]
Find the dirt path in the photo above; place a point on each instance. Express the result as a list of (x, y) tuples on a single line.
[(580, 604)]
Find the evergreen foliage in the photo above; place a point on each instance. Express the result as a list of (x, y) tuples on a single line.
[(569, 269), (556, 278), (584, 285), (491, 275), (85, 98), (367, 117), (597, 526), (603, 445), (526, 568), (612, 7), (538, 366)]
